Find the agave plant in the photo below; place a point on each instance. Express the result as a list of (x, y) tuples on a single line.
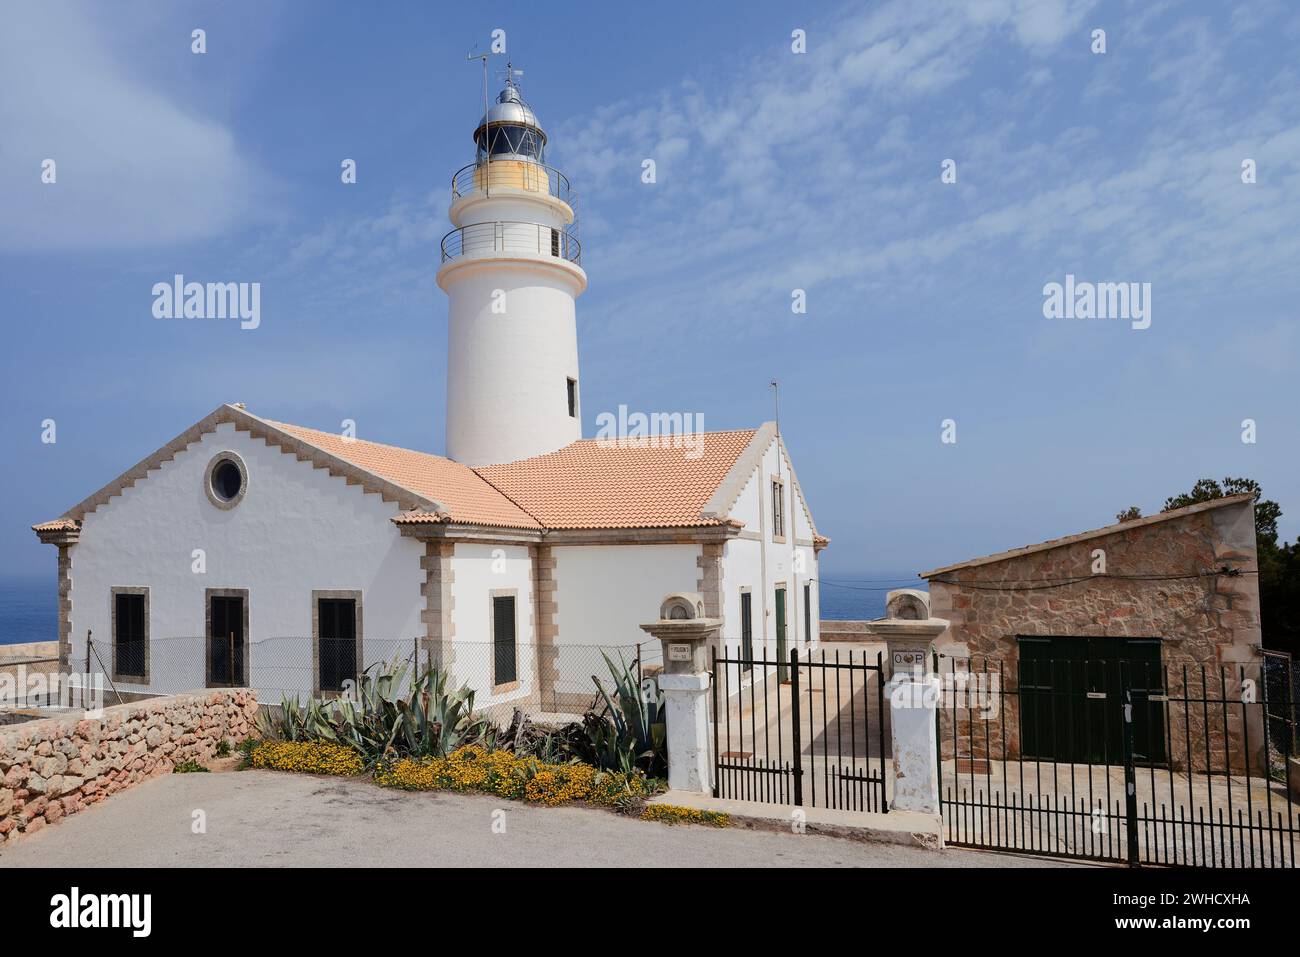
[(380, 721), (294, 721), (629, 731)]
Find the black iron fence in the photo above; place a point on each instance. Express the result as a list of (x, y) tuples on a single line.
[(1136, 762), (807, 730)]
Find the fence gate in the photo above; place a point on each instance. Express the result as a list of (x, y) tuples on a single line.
[(818, 739), (1136, 762)]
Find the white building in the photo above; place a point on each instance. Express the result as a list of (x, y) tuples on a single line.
[(250, 551)]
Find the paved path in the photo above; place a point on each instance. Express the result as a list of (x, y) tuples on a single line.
[(269, 819)]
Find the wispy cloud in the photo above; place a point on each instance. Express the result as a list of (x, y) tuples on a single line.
[(134, 167), (803, 170)]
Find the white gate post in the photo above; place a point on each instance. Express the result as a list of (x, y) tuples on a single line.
[(685, 635), (913, 711), (909, 633)]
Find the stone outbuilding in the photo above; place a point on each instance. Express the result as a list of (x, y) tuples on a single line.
[(1168, 604)]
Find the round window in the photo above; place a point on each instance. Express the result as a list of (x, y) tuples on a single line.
[(227, 481)]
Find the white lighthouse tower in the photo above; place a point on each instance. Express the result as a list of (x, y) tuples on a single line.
[(511, 271)]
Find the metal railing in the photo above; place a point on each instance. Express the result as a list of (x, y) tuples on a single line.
[(1117, 760), (487, 239), (522, 175), (819, 739)]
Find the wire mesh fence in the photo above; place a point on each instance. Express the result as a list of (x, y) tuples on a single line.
[(548, 682), (26, 680)]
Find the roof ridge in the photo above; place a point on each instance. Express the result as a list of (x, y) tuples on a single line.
[(1064, 540), (706, 432), (508, 497), (382, 445)]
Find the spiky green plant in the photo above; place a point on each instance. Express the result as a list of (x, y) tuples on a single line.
[(630, 731), (380, 721)]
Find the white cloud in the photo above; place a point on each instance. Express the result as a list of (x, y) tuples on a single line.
[(824, 168), (134, 167)]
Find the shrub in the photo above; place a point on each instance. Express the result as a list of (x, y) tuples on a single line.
[(223, 748), (380, 722), (630, 731), (556, 784), (672, 814), (626, 733), (474, 768), (245, 749), (309, 757), (189, 767)]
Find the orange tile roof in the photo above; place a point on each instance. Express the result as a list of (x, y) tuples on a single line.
[(586, 485), (57, 525), (593, 484), (467, 496)]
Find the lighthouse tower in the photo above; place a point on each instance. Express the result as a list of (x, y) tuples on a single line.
[(510, 268)]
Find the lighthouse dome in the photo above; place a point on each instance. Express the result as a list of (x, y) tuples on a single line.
[(511, 130)]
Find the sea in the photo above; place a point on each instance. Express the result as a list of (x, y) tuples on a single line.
[(29, 608)]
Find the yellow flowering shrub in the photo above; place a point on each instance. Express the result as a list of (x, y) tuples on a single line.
[(308, 757), (504, 774), (560, 783), (672, 814)]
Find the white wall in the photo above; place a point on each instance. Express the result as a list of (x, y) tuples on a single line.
[(763, 563), (296, 529), (507, 397), (605, 592), (479, 570)]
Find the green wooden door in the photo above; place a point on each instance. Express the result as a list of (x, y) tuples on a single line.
[(782, 649)]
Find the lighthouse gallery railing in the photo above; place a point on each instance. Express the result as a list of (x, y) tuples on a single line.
[(523, 175), (487, 239)]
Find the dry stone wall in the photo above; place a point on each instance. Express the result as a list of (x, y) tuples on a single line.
[(59, 766)]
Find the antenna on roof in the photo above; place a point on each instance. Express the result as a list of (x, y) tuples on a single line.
[(776, 411), (488, 157)]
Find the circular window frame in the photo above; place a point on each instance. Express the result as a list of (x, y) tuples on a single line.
[(217, 460)]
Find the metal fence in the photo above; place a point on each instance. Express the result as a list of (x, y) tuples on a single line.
[(1135, 762), (805, 729), (550, 683), (20, 690), (1281, 710)]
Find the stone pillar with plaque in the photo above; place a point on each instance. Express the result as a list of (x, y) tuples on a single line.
[(685, 634), (909, 634)]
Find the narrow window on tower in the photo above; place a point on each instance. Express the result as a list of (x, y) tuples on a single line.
[(573, 398)]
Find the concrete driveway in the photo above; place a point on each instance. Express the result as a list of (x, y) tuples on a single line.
[(273, 819)]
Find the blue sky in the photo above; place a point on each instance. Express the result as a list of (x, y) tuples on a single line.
[(775, 171)]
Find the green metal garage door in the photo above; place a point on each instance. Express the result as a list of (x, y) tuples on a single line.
[(1072, 695)]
